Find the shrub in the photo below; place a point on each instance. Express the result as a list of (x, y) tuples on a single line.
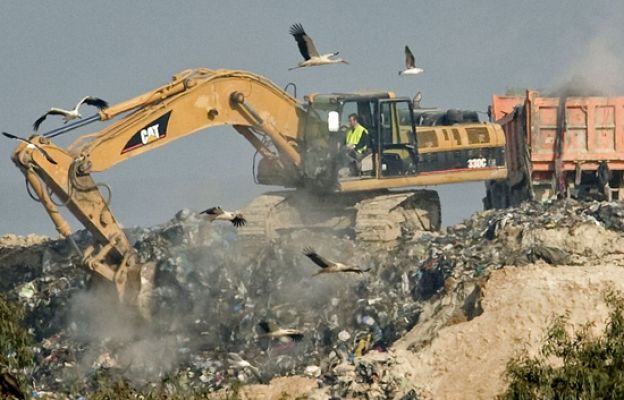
[(15, 341), (573, 365)]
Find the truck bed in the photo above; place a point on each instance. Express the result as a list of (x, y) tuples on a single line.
[(562, 143), (591, 133)]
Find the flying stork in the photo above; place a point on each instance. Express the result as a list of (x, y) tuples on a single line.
[(68, 115), (272, 330), (32, 145), (308, 50), (410, 64), (329, 266), (218, 214)]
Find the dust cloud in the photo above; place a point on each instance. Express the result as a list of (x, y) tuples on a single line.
[(211, 292), (116, 337), (597, 69)]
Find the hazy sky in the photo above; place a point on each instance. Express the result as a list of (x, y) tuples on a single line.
[(54, 53)]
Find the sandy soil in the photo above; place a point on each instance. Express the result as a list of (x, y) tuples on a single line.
[(283, 388), (467, 360)]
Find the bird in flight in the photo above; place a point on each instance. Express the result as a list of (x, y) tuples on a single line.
[(32, 145), (69, 115), (410, 64), (329, 266), (273, 331), (218, 214), (308, 50)]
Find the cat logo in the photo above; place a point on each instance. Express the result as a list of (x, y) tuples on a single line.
[(151, 133)]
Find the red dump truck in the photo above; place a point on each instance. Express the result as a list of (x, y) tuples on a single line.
[(559, 146)]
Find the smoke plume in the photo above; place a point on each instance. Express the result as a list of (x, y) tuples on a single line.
[(598, 67)]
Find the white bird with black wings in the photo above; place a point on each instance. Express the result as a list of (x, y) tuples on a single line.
[(32, 145), (330, 266), (68, 115), (218, 214), (272, 330), (311, 56), (410, 64)]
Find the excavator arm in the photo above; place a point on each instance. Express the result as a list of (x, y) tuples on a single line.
[(194, 100)]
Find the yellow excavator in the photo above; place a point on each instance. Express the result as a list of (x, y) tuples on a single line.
[(299, 144)]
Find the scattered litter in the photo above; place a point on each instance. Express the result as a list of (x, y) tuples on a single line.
[(211, 293)]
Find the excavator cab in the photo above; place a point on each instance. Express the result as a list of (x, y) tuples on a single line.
[(392, 148), (397, 144)]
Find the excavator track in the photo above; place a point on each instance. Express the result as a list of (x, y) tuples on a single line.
[(389, 217), (382, 217), (275, 213), (258, 216)]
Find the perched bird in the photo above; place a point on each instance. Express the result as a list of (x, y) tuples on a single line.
[(416, 100), (32, 145), (9, 386), (218, 214), (308, 50), (410, 64), (328, 266), (275, 332), (68, 115)]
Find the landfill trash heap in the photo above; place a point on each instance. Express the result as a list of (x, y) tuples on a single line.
[(211, 292)]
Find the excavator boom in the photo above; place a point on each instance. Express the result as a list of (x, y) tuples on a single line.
[(194, 100)]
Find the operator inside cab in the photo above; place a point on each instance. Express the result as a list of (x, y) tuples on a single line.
[(355, 147), (357, 137)]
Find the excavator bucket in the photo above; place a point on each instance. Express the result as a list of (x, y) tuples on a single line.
[(145, 294), (134, 281)]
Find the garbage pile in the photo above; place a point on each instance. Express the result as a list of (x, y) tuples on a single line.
[(560, 233), (210, 297), (368, 378), (211, 294), (214, 295)]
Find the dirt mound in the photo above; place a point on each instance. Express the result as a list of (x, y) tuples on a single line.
[(467, 360), (280, 388)]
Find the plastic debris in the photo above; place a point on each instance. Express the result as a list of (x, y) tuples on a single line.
[(27, 291), (211, 293)]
